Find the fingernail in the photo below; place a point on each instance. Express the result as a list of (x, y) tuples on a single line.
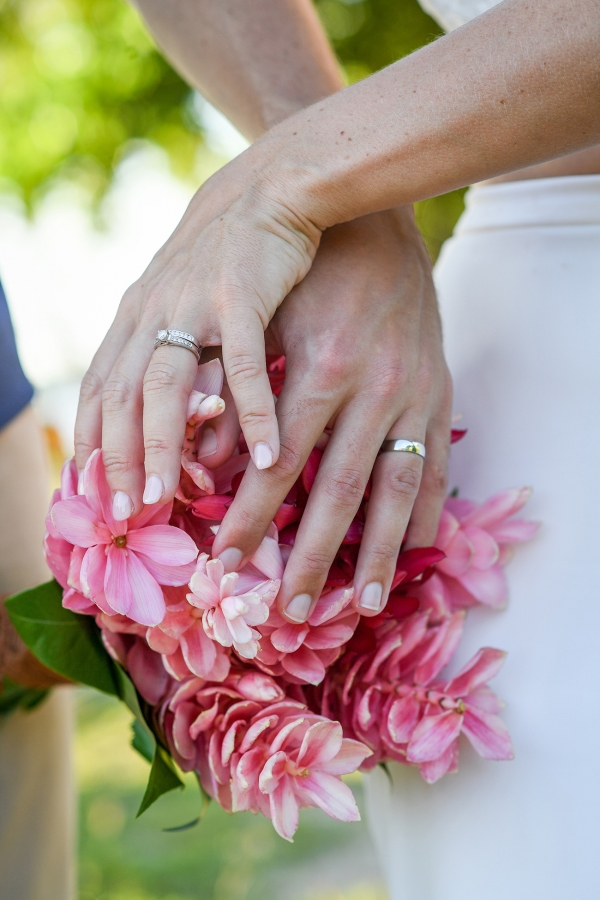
[(263, 455), (154, 489), (208, 444), (371, 596), (298, 608), (122, 506), (231, 558)]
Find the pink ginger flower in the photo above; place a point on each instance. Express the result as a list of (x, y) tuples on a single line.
[(228, 612), (477, 540), (273, 757), (302, 653), (122, 565), (125, 641)]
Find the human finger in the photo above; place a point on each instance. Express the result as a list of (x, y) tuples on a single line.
[(122, 432), (396, 481), (219, 436), (88, 422), (245, 366), (333, 502), (303, 414)]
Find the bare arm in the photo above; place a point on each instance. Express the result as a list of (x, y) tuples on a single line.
[(258, 61)]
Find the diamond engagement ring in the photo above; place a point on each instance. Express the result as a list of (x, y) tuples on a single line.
[(401, 446), (173, 338)]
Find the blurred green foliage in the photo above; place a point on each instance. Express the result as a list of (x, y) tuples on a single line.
[(82, 81)]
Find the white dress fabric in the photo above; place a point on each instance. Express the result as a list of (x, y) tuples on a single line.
[(519, 287)]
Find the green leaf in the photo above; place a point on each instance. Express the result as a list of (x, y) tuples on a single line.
[(163, 778), (13, 696), (143, 740), (66, 642)]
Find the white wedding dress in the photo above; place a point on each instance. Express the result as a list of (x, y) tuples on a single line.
[(519, 288)]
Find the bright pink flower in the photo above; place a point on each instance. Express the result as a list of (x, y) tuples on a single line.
[(124, 563), (302, 653)]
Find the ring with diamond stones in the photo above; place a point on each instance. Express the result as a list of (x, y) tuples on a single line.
[(402, 446), (170, 337)]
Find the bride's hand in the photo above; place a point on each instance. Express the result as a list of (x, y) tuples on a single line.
[(362, 340), (220, 277)]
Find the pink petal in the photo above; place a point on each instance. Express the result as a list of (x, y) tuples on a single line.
[(484, 698), (68, 479), (402, 719), (483, 667), (76, 602), (267, 559), (488, 734), (437, 768), (176, 666), (205, 589), (304, 664), (200, 475), (99, 495), (212, 507), (147, 671), (442, 649), (93, 570), (272, 772), (433, 735), (514, 531), (209, 378), (163, 544), (184, 716), (459, 555), (284, 809), (446, 529), (330, 604), (225, 473), (117, 589), (257, 686), (321, 743), (161, 642), (199, 652), (289, 637), (77, 523), (499, 507), (329, 794), (333, 635), (348, 759), (170, 576), (148, 605), (485, 549), (487, 587), (153, 514)]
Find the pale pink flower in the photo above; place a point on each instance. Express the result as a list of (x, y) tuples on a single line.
[(123, 563), (232, 606), (477, 541)]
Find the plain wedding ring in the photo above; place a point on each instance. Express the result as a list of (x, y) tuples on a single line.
[(394, 445), (170, 337)]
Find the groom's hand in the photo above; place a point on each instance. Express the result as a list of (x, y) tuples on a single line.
[(362, 340)]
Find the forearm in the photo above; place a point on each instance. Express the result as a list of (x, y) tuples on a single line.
[(258, 61), (518, 85)]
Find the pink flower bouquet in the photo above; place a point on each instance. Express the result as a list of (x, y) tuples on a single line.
[(269, 714)]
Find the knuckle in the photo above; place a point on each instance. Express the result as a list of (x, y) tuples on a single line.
[(382, 555), (404, 484), (91, 386), (289, 463), (254, 418), (345, 487), (117, 393), (242, 366), (315, 563), (388, 382), (159, 377), (115, 463), (157, 445)]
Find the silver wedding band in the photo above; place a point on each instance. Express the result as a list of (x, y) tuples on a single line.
[(401, 446), (170, 337)]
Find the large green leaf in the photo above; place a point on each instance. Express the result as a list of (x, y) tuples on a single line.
[(66, 642), (163, 778), (13, 696)]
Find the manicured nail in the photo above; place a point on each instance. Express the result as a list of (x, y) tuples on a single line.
[(263, 455), (209, 443), (122, 506), (297, 609), (154, 489), (231, 559), (371, 596)]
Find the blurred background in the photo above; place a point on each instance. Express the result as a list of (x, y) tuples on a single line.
[(102, 145)]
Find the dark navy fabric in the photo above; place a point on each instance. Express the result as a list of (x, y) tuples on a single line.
[(15, 390)]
